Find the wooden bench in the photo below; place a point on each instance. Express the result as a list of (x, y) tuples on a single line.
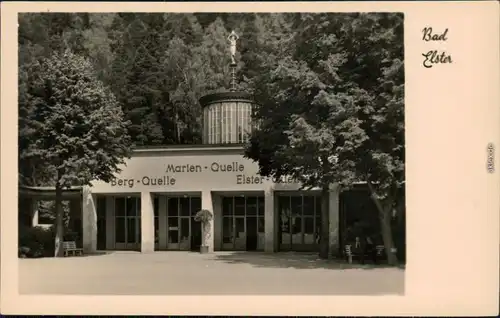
[(350, 254), (70, 248)]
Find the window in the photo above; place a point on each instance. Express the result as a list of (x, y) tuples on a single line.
[(184, 206), (251, 206), (224, 123), (227, 122), (101, 207), (299, 220), (195, 205), (227, 230), (240, 219), (173, 236), (217, 123), (180, 212), (232, 122), (227, 206), (239, 206), (156, 208), (211, 124), (120, 206), (173, 222), (260, 205), (127, 220), (120, 230), (131, 204), (309, 206), (172, 207)]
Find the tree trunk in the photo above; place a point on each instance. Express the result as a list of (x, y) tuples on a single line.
[(324, 239), (59, 252), (385, 226)]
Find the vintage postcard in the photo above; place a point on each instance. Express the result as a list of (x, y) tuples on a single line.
[(250, 158)]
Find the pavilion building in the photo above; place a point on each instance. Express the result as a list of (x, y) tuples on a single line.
[(151, 203)]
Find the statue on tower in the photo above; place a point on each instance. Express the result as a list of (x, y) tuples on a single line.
[(233, 37)]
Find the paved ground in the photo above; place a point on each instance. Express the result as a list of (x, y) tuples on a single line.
[(185, 273)]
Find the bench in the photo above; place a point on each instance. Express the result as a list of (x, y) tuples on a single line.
[(70, 248), (350, 254)]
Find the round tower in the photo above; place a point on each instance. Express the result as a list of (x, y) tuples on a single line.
[(227, 116)]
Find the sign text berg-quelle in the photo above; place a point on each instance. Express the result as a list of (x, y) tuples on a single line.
[(169, 180)]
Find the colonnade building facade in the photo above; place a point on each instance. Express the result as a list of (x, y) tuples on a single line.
[(151, 204)]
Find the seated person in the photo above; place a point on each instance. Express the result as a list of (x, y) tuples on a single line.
[(363, 246)]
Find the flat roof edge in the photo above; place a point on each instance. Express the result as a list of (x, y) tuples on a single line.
[(49, 188), (225, 97), (185, 148)]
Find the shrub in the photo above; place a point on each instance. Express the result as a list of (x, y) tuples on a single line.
[(36, 242), (203, 216), (23, 252)]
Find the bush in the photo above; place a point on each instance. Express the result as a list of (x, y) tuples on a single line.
[(36, 242), (203, 216), (23, 252)]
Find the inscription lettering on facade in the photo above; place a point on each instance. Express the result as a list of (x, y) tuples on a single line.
[(213, 167), (172, 170)]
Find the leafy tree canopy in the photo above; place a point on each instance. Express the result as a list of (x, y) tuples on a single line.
[(332, 108), (74, 124)]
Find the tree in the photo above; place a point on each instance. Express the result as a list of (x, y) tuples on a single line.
[(75, 126), (331, 110), (136, 79), (380, 159), (263, 43), (138, 55), (214, 51)]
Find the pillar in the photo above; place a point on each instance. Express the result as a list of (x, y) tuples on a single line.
[(334, 208), (147, 223), (207, 204), (162, 223), (277, 221), (89, 221), (110, 223), (217, 203), (269, 221), (33, 206)]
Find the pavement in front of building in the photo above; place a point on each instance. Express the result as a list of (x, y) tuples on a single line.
[(188, 273)]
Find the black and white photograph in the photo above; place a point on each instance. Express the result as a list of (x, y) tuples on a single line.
[(211, 153)]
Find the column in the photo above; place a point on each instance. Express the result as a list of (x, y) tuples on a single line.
[(110, 223), (277, 220), (33, 205), (269, 221), (206, 204), (147, 223), (89, 221), (217, 203), (334, 208), (162, 222)]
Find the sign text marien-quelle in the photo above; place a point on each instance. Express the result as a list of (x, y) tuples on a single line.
[(172, 174)]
